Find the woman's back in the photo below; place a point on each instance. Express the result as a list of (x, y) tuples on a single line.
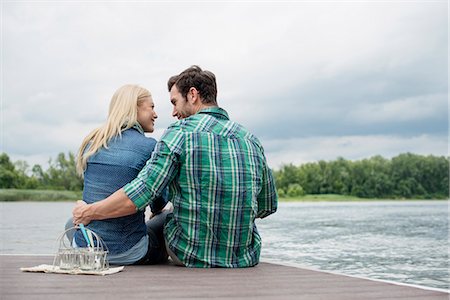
[(107, 171)]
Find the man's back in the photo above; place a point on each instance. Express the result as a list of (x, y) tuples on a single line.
[(217, 176), (221, 185)]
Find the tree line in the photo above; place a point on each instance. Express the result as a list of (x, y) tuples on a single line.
[(60, 175), (404, 176)]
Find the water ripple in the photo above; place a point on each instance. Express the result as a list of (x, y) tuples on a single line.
[(403, 241)]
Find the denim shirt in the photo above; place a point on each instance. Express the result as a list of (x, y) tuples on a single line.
[(108, 170)]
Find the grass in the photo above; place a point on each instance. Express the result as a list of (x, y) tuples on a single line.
[(341, 198), (12, 195)]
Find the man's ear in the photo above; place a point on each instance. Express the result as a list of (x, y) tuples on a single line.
[(194, 95)]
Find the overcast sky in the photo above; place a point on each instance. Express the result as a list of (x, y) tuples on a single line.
[(313, 80)]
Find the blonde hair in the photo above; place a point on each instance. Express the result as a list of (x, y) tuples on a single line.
[(122, 115)]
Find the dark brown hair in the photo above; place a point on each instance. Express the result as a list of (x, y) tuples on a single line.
[(203, 81)]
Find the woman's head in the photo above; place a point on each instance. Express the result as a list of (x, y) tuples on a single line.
[(132, 104)]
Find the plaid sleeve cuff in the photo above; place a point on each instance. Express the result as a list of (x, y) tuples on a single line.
[(138, 193)]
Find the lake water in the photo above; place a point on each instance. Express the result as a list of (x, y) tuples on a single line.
[(402, 241)]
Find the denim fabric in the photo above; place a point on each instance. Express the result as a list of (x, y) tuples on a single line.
[(109, 170), (156, 252), (132, 255)]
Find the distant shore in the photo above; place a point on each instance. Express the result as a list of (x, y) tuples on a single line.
[(345, 198), (16, 195)]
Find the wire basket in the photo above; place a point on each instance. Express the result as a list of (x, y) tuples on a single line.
[(91, 258)]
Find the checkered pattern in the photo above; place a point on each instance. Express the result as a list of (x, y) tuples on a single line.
[(219, 182)]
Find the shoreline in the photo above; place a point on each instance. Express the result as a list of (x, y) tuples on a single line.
[(308, 200), (18, 195), (350, 199)]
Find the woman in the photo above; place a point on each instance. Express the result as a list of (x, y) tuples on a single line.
[(110, 157)]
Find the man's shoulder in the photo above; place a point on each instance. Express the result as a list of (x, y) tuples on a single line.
[(240, 131), (173, 136), (186, 125), (203, 123)]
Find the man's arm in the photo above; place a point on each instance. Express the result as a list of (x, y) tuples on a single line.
[(116, 205), (160, 169), (268, 197)]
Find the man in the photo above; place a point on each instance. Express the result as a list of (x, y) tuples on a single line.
[(218, 180)]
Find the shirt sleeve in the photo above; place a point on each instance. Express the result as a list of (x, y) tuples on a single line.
[(158, 172), (268, 197)]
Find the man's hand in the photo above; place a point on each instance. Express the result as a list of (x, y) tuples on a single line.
[(79, 213), (116, 205)]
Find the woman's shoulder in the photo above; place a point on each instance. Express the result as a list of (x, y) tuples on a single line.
[(136, 138)]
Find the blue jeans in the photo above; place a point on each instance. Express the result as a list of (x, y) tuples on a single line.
[(156, 252)]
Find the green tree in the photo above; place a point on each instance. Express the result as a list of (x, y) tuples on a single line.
[(313, 178), (8, 174), (341, 181), (281, 193), (295, 190), (62, 173), (404, 176), (24, 181)]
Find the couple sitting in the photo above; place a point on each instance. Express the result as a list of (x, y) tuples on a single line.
[(212, 170)]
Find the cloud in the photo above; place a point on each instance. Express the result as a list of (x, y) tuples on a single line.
[(298, 151), (424, 107), (288, 71)]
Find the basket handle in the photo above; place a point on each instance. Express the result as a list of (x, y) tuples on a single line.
[(101, 245)]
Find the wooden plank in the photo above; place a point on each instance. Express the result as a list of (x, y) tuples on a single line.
[(265, 281)]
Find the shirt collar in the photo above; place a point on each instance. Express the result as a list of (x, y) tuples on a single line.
[(215, 111), (138, 127)]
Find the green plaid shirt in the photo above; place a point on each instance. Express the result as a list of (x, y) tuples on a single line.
[(219, 182)]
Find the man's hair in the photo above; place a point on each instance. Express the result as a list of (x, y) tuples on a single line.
[(203, 81)]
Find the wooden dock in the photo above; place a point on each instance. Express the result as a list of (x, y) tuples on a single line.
[(265, 281)]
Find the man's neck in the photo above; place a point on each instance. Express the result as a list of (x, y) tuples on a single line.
[(204, 106)]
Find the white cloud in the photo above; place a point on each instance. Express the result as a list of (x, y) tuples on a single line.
[(333, 70), (398, 110)]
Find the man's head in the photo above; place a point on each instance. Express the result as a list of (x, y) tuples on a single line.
[(192, 90)]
